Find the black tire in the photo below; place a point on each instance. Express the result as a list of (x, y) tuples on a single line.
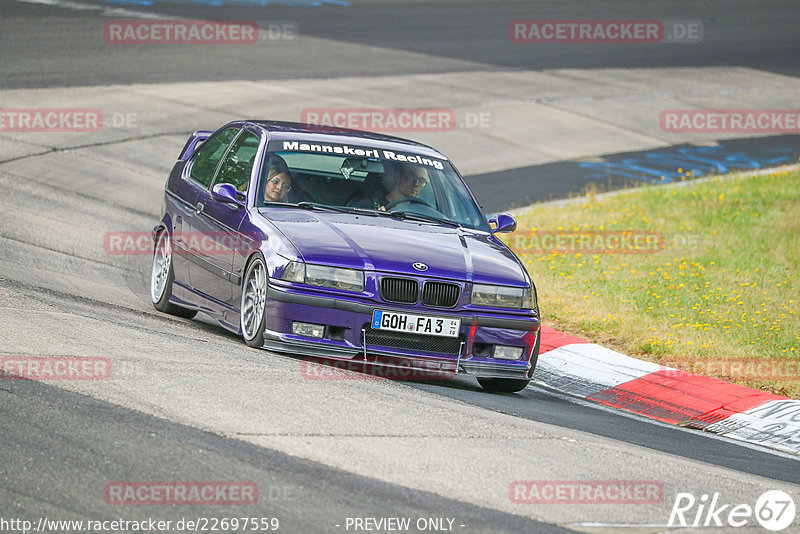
[(162, 261), (503, 385), (513, 385), (254, 301)]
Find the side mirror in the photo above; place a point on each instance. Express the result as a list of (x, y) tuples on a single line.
[(503, 223), (226, 193)]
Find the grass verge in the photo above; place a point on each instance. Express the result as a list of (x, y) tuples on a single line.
[(700, 276)]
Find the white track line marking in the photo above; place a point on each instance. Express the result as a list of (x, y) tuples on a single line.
[(105, 11)]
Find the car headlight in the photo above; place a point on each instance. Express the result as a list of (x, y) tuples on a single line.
[(295, 271), (335, 277), (324, 276), (502, 296)]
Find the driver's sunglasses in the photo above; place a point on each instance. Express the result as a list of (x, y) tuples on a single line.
[(283, 185), (416, 179)]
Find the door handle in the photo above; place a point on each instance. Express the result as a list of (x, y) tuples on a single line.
[(198, 208)]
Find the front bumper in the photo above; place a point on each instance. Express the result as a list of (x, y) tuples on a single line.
[(348, 336)]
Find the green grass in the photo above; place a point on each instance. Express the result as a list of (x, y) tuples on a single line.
[(722, 284)]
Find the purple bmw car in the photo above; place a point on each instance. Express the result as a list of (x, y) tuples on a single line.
[(343, 245)]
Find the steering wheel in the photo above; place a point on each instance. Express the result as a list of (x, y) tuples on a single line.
[(407, 200)]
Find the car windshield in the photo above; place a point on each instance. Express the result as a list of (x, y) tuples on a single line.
[(366, 179)]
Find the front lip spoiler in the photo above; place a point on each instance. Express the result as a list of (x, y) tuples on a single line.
[(531, 325), (277, 342), (493, 370)]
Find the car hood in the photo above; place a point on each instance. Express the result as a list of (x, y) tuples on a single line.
[(387, 245)]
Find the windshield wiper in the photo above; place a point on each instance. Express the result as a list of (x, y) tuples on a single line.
[(411, 216), (272, 204), (423, 217), (337, 209), (398, 215), (306, 206), (324, 207)]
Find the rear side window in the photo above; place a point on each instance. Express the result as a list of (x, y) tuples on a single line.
[(238, 163), (204, 163)]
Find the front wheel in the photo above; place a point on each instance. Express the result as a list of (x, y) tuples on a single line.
[(503, 385), (161, 278), (254, 303)]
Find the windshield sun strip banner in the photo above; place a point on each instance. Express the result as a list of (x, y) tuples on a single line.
[(355, 151)]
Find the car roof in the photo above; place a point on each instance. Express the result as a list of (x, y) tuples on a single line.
[(295, 131)]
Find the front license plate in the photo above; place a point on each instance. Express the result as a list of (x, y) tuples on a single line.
[(415, 324)]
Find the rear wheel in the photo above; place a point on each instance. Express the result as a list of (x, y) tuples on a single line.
[(513, 385), (254, 303), (161, 278)]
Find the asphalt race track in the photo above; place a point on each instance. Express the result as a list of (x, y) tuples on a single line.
[(367, 36), (190, 402)]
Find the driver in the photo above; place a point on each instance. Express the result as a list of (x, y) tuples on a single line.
[(279, 180), (409, 181)]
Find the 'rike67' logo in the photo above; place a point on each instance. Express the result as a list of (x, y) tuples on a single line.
[(774, 510)]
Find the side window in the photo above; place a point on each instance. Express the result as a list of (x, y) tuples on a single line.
[(238, 164), (204, 163)]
